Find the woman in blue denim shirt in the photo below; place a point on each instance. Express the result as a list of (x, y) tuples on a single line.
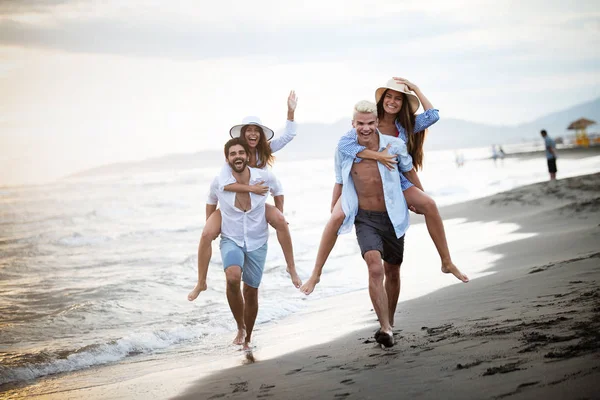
[(396, 108)]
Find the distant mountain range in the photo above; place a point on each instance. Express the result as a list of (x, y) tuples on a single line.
[(453, 133), (315, 140)]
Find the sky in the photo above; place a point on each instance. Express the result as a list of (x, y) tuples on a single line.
[(86, 83)]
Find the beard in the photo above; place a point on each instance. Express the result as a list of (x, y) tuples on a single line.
[(236, 166)]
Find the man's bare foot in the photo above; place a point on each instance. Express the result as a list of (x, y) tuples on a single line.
[(241, 337), (200, 287), (294, 275), (450, 268), (309, 286), (385, 339), (248, 353)]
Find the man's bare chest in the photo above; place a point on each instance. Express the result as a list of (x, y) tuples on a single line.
[(366, 173)]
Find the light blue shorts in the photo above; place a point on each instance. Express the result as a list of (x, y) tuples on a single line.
[(252, 263)]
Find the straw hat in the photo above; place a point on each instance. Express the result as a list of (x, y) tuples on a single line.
[(236, 130), (413, 100)]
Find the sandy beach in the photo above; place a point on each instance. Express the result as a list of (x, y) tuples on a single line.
[(530, 330), (526, 326)]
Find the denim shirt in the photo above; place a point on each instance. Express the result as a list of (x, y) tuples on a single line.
[(395, 203), (351, 148), (550, 144)]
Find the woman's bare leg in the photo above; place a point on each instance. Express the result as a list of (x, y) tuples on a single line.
[(328, 240), (211, 230), (425, 205), (276, 219)]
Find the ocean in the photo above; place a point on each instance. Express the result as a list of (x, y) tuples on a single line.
[(96, 270)]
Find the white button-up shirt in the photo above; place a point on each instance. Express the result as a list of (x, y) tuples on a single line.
[(250, 227)]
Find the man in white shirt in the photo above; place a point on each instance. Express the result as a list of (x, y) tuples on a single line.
[(244, 235)]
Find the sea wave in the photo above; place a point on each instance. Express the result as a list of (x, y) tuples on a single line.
[(77, 240), (23, 367)]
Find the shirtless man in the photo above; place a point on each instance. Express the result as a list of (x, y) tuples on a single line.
[(372, 200)]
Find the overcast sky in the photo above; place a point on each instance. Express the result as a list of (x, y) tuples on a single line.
[(84, 83)]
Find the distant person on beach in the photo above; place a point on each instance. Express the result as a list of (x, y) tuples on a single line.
[(258, 138), (396, 108), (244, 235), (371, 198), (550, 154), (494, 154), (459, 159)]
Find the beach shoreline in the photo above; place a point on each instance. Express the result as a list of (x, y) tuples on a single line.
[(529, 330), (524, 328)]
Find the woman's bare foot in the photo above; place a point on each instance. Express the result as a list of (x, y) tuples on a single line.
[(294, 275), (309, 286), (450, 268), (200, 287), (241, 337)]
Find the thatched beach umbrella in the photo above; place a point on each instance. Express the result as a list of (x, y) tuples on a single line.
[(579, 126)]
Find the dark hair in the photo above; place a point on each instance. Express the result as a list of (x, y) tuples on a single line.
[(233, 142), (265, 155), (543, 132), (406, 118)]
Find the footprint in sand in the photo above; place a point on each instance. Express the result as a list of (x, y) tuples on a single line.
[(294, 371), (348, 381), (468, 365), (503, 369), (264, 391), (239, 387), (518, 389), (437, 329), (266, 387)]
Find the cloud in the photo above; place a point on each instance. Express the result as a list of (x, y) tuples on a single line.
[(192, 41), (317, 31), (87, 83)]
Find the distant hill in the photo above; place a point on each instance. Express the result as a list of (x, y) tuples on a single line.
[(165, 163), (451, 133), (319, 140), (315, 140), (556, 123)]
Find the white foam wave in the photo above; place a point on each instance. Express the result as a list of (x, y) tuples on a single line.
[(137, 343), (77, 240)]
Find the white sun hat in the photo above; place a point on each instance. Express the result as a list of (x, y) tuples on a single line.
[(236, 130)]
